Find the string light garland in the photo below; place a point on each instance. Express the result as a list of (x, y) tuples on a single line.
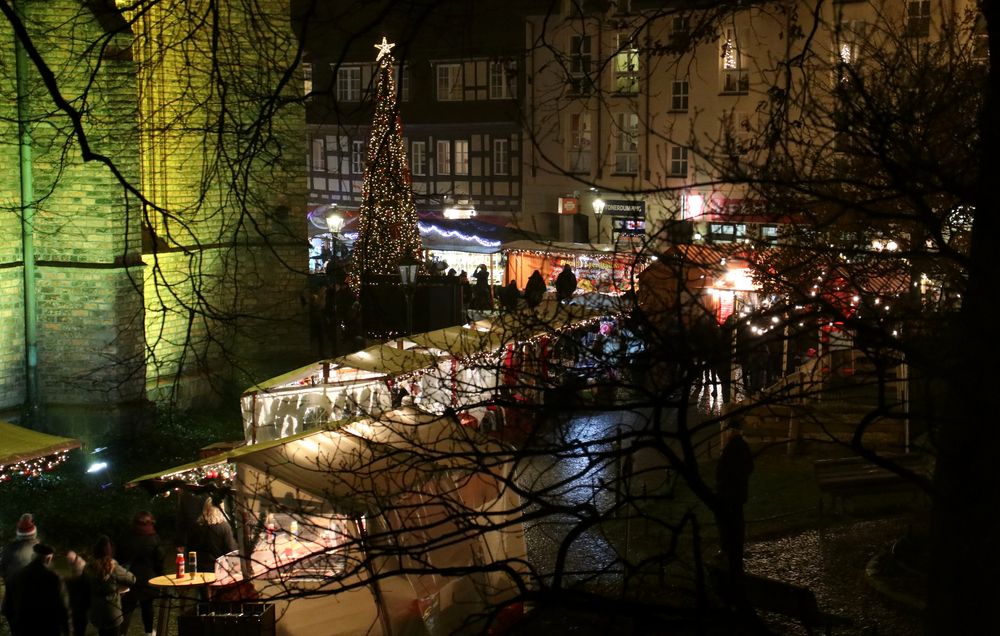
[(387, 218), (29, 468)]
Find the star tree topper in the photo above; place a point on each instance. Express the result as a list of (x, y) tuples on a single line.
[(383, 49)]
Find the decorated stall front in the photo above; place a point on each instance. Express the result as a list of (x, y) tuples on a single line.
[(598, 268), (26, 453), (394, 525)]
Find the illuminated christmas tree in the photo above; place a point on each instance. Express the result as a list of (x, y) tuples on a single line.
[(387, 220)]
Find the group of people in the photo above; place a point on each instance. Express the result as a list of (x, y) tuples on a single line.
[(535, 288), (104, 589)]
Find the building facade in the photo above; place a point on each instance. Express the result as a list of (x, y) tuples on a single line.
[(152, 225)]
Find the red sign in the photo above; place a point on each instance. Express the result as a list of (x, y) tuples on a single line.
[(569, 205)]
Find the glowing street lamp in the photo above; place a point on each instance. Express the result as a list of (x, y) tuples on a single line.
[(598, 205), (408, 277)]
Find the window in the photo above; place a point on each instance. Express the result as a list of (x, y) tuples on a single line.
[(357, 157), (501, 156), (678, 161), (579, 65), (579, 143), (626, 65), (735, 78), (318, 155), (850, 38), (443, 156), (679, 95), (307, 78), (626, 145), (349, 83), (980, 40), (738, 133), (461, 156), (418, 150), (918, 18), (503, 75), (680, 32), (449, 82)]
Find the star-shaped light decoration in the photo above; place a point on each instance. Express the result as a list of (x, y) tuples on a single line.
[(383, 49)]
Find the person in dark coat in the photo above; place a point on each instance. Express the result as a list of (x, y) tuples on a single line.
[(732, 481), (106, 580), (534, 289), (466, 290), (18, 553), (481, 290), (565, 283), (39, 604), (509, 296), (213, 536), (143, 553)]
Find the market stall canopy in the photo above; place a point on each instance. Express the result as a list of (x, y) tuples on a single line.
[(466, 235), (567, 248), (19, 444), (387, 359), (360, 464), (313, 374), (460, 342)]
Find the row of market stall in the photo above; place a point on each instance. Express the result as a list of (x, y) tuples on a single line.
[(373, 488)]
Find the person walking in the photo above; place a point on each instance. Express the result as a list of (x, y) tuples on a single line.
[(565, 283), (143, 552), (17, 554), (39, 603), (534, 289), (106, 580), (213, 536)]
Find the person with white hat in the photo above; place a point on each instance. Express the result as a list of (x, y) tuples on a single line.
[(17, 554)]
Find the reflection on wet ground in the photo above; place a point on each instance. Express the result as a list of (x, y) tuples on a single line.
[(831, 562)]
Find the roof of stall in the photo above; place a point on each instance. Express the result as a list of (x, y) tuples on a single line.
[(388, 359), (360, 464), (460, 342), (603, 249), (18, 444)]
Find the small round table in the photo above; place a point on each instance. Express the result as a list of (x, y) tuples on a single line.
[(185, 587)]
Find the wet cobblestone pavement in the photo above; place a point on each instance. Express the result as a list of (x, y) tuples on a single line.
[(831, 562)]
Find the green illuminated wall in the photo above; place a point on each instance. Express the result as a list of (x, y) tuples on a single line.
[(123, 317)]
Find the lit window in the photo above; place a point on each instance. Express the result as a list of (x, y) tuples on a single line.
[(418, 150), (626, 65), (579, 65), (626, 143), (503, 75), (579, 143), (678, 161), (679, 95), (449, 82), (349, 83), (461, 156), (307, 78), (735, 78), (501, 156), (357, 157), (443, 156)]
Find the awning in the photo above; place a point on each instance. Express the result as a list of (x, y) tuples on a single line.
[(360, 464), (459, 342), (18, 444), (387, 359)]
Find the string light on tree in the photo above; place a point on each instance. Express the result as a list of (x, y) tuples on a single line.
[(387, 218)]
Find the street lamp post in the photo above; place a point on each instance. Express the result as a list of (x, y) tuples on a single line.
[(408, 277), (598, 205), (335, 223)]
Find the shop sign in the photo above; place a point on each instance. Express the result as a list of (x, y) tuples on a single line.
[(569, 205), (622, 207)]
